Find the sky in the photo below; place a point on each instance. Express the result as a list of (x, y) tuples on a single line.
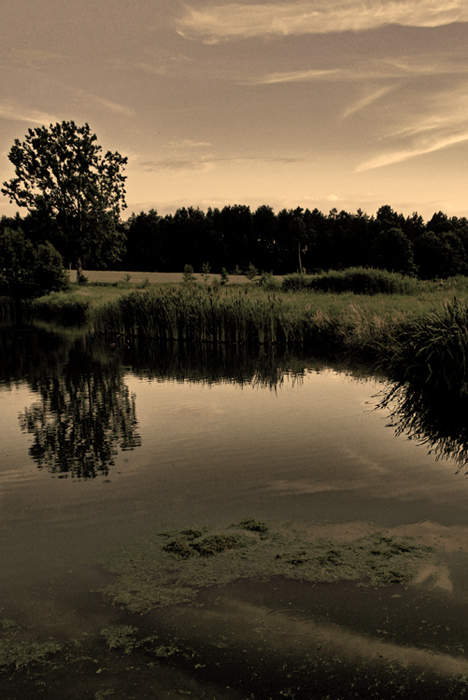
[(346, 104)]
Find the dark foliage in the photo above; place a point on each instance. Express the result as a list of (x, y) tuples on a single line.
[(296, 240), (28, 270)]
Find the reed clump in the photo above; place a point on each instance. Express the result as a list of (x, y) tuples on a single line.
[(431, 353), (65, 309)]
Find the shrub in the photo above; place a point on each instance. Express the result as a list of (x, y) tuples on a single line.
[(28, 271), (358, 280), (188, 275), (268, 282)]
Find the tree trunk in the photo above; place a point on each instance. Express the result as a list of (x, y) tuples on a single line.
[(79, 270)]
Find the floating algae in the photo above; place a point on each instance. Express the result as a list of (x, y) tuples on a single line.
[(18, 653), (170, 568)]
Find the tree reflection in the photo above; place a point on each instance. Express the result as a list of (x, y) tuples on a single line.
[(433, 418), (85, 415)]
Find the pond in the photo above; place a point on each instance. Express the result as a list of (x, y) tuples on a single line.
[(220, 523)]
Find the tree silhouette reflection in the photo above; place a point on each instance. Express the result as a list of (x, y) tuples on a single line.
[(85, 415)]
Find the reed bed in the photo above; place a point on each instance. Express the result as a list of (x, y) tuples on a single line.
[(425, 347), (201, 314)]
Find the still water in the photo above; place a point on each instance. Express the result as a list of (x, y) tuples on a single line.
[(103, 446)]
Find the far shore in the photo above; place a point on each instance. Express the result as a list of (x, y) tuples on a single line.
[(113, 276)]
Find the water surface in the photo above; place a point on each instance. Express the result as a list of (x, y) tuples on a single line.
[(105, 445)]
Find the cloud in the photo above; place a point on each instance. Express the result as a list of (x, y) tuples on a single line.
[(398, 156), (179, 164), (218, 23), (114, 106), (434, 123), (32, 58), (367, 100), (109, 105), (301, 76), (14, 112), (188, 143), (160, 61), (416, 66), (207, 163)]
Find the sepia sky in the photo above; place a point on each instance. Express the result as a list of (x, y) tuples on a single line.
[(314, 103)]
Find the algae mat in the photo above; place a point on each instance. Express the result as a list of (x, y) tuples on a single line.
[(254, 610)]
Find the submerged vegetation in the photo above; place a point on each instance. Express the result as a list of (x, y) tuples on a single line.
[(171, 567)]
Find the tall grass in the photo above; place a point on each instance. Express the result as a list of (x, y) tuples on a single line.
[(430, 348), (432, 352), (429, 393), (198, 314), (66, 309)]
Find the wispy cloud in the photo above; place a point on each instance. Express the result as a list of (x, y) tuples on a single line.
[(399, 156), (218, 23), (115, 107), (188, 143), (442, 122), (32, 58), (15, 112), (367, 100), (179, 164), (209, 162), (378, 69), (109, 105), (160, 61)]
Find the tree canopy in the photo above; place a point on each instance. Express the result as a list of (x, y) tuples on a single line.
[(71, 190)]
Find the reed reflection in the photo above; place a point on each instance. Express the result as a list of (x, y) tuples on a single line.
[(434, 418)]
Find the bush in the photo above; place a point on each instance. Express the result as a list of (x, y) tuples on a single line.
[(358, 280), (27, 271), (268, 282)]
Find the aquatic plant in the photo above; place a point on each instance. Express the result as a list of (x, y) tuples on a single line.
[(171, 567), (432, 352), (68, 310), (428, 363)]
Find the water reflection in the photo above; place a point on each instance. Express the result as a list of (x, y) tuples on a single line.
[(436, 419), (211, 364), (85, 413)]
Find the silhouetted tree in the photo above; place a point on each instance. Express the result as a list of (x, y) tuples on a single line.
[(68, 186)]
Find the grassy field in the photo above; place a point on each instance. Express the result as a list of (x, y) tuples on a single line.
[(106, 286), (138, 278)]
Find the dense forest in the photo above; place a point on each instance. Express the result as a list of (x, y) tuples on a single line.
[(236, 237), (296, 240)]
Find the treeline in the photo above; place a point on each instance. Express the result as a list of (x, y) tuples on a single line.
[(235, 237), (296, 240)]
